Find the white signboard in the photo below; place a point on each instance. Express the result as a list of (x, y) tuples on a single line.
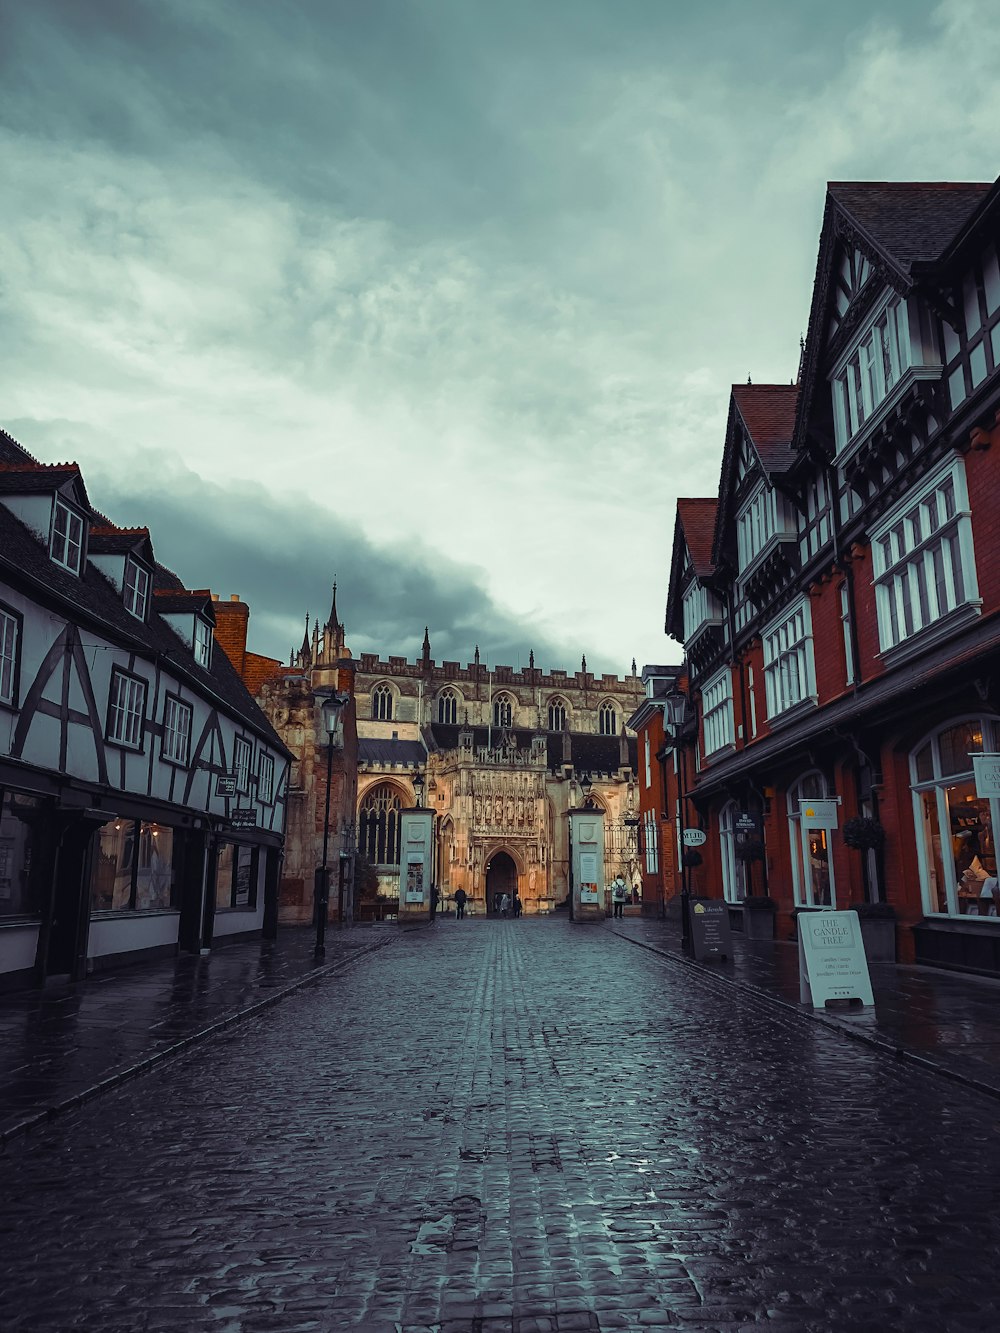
[(588, 878), (695, 837), (832, 961), (987, 770)]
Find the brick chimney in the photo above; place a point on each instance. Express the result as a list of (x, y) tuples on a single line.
[(231, 621)]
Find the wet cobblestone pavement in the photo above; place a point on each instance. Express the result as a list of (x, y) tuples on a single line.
[(523, 1126)]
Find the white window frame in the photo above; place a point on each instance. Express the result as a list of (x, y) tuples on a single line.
[(177, 719), (652, 843), (734, 872), (136, 592), (126, 710), (67, 539), (265, 777), (803, 883), (923, 557), (202, 642), (789, 659), (701, 607), (242, 760), (845, 621), (10, 627), (717, 712), (871, 368), (648, 765)]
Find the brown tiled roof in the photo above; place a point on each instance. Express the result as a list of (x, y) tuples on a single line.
[(768, 412), (909, 221), (697, 519)]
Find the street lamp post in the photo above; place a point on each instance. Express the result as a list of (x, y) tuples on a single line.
[(331, 708), (678, 722)]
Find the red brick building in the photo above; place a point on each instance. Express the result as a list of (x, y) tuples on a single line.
[(839, 600)]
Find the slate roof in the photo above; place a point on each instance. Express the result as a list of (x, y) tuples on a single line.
[(176, 603), (909, 221), (93, 601), (116, 541), (390, 753), (697, 519)]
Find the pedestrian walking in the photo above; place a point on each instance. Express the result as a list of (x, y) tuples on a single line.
[(460, 900), (503, 905), (619, 896), (518, 905)]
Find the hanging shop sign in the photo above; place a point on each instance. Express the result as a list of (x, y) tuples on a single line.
[(832, 960), (695, 837), (243, 817), (225, 786), (745, 824), (819, 814)]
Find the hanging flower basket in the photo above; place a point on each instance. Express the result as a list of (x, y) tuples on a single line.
[(864, 833), (691, 858)]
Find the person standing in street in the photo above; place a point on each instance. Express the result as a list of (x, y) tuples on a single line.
[(619, 896), (518, 905), (503, 906), (460, 900)]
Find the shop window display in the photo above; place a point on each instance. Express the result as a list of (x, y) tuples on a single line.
[(958, 865), (17, 894), (235, 876), (133, 867)]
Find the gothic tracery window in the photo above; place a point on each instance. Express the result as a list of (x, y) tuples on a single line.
[(448, 706), (557, 715), (378, 825), (382, 703), (503, 711), (607, 720)]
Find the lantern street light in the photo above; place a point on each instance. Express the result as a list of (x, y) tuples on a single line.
[(331, 708), (587, 786), (418, 788)]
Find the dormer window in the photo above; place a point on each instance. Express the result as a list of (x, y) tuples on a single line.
[(66, 545), (766, 518), (136, 589), (202, 642)]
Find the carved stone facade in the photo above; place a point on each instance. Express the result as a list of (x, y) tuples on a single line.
[(503, 756)]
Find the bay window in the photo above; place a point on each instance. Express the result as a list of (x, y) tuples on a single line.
[(717, 712), (789, 661), (923, 557)]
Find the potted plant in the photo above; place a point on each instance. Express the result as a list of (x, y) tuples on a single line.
[(878, 930), (758, 916)]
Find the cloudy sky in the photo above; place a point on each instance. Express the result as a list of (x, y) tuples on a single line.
[(440, 297)]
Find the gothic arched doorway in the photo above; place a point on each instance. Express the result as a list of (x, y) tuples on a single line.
[(501, 878)]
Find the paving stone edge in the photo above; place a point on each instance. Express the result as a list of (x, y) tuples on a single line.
[(177, 1048), (833, 1024)]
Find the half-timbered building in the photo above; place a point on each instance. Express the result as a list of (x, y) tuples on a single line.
[(842, 637), (142, 790)]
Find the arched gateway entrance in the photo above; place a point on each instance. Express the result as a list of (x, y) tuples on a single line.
[(501, 878)]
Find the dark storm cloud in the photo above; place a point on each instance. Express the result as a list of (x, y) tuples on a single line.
[(282, 557)]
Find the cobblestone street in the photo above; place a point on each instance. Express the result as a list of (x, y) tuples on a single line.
[(512, 1125)]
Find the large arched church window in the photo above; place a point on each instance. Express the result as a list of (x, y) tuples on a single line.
[(954, 825), (503, 711), (557, 715), (382, 703), (378, 825), (448, 706), (812, 867), (608, 720)]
